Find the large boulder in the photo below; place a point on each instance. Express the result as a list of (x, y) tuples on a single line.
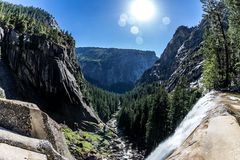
[(28, 122), (19, 153)]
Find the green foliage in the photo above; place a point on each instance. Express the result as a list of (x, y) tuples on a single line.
[(211, 69), (149, 114), (104, 103), (82, 143), (234, 33), (160, 119), (221, 47), (182, 101), (33, 21)]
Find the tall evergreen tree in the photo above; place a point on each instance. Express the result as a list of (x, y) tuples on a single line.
[(234, 32), (159, 119), (180, 102), (216, 15), (211, 72)]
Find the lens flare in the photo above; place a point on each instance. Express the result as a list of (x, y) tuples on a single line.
[(143, 10), (166, 20), (134, 30)]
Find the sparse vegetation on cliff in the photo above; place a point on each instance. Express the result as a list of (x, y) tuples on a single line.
[(33, 21)]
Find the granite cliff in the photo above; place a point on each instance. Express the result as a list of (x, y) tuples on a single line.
[(114, 69), (181, 58), (47, 74)]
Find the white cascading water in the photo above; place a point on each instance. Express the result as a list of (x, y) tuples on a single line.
[(198, 113)]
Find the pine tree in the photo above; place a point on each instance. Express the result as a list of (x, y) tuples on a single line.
[(216, 13), (211, 72), (180, 102), (234, 32), (158, 122)]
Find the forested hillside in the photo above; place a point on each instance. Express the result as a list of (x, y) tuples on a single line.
[(104, 103), (149, 114)]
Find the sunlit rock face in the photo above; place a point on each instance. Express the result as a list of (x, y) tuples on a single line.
[(114, 69), (181, 58)]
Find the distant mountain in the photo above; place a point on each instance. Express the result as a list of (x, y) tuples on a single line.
[(113, 69), (181, 58)]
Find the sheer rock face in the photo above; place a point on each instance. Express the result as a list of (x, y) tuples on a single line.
[(27, 129), (114, 69), (181, 58), (47, 74)]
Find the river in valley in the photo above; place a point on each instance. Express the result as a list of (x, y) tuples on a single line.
[(121, 148)]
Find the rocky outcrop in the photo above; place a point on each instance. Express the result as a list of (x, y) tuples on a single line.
[(218, 137), (27, 130), (114, 69), (47, 75), (166, 65), (181, 58)]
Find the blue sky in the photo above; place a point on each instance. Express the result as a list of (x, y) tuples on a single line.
[(96, 22)]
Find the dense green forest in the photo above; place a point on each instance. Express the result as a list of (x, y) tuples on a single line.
[(104, 103), (33, 20), (221, 46), (149, 114)]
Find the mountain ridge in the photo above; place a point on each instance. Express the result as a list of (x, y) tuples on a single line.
[(174, 64), (113, 68)]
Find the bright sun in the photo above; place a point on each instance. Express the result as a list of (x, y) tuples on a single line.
[(142, 10)]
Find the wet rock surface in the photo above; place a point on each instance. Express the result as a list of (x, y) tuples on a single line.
[(218, 136)]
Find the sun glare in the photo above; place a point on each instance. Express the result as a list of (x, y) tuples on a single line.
[(142, 10)]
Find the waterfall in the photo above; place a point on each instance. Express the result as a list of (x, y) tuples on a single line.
[(198, 113)]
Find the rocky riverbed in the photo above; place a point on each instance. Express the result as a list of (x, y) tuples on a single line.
[(120, 147)]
